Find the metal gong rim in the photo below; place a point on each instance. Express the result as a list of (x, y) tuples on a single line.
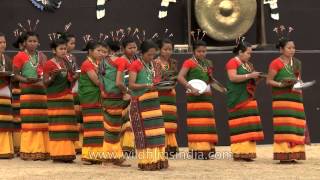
[(225, 20)]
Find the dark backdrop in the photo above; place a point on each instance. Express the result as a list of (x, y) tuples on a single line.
[(302, 15)]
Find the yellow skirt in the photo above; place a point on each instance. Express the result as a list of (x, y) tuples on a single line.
[(34, 145), (78, 144), (16, 141), (201, 150), (283, 152), (62, 150), (6, 145), (245, 149), (112, 151), (171, 144), (201, 146), (152, 158), (92, 154), (127, 139)]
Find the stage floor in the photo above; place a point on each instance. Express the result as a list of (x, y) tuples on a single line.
[(222, 168)]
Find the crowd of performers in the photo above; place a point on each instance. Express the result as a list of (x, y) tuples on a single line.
[(55, 108)]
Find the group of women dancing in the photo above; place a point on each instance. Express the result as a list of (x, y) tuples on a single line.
[(110, 107)]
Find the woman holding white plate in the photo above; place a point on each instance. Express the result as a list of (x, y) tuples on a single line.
[(194, 76)]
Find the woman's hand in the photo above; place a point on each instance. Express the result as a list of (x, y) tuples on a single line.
[(150, 86), (194, 91), (254, 75), (126, 97)]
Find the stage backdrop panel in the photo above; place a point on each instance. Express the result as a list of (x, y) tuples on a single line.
[(302, 15)]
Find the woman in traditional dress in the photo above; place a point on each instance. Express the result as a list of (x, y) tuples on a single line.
[(114, 92), (145, 113), (129, 49), (16, 91), (28, 70), (90, 101), (166, 70), (288, 110), (63, 130), (244, 120), (6, 117), (73, 76), (201, 124)]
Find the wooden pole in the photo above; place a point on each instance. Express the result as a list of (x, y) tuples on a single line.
[(189, 4)]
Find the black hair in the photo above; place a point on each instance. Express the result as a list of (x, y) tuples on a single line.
[(126, 41), (55, 43), (198, 43), (113, 45), (91, 45), (282, 42), (2, 35), (146, 45), (241, 47), (66, 36), (29, 34), (161, 42), (20, 39)]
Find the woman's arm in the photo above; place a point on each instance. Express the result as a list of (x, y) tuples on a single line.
[(237, 78), (270, 79), (94, 77), (182, 80), (119, 82), (18, 76)]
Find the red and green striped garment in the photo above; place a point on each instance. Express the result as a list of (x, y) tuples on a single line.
[(146, 115), (244, 119), (112, 101), (71, 63), (62, 121), (33, 98), (6, 118), (167, 97), (77, 109), (288, 111), (200, 110), (16, 106), (90, 100), (169, 109)]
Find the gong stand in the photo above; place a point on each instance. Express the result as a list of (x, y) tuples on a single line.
[(261, 29)]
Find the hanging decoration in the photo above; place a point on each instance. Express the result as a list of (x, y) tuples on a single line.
[(163, 12), (274, 9), (101, 11), (47, 5)]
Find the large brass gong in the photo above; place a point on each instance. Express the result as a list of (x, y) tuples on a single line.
[(225, 20)]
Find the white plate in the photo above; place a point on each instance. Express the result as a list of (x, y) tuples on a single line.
[(302, 85), (198, 84)]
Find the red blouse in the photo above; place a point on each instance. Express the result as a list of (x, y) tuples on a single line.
[(189, 63), (232, 64), (87, 66), (135, 66), (276, 65), (121, 64), (19, 60)]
